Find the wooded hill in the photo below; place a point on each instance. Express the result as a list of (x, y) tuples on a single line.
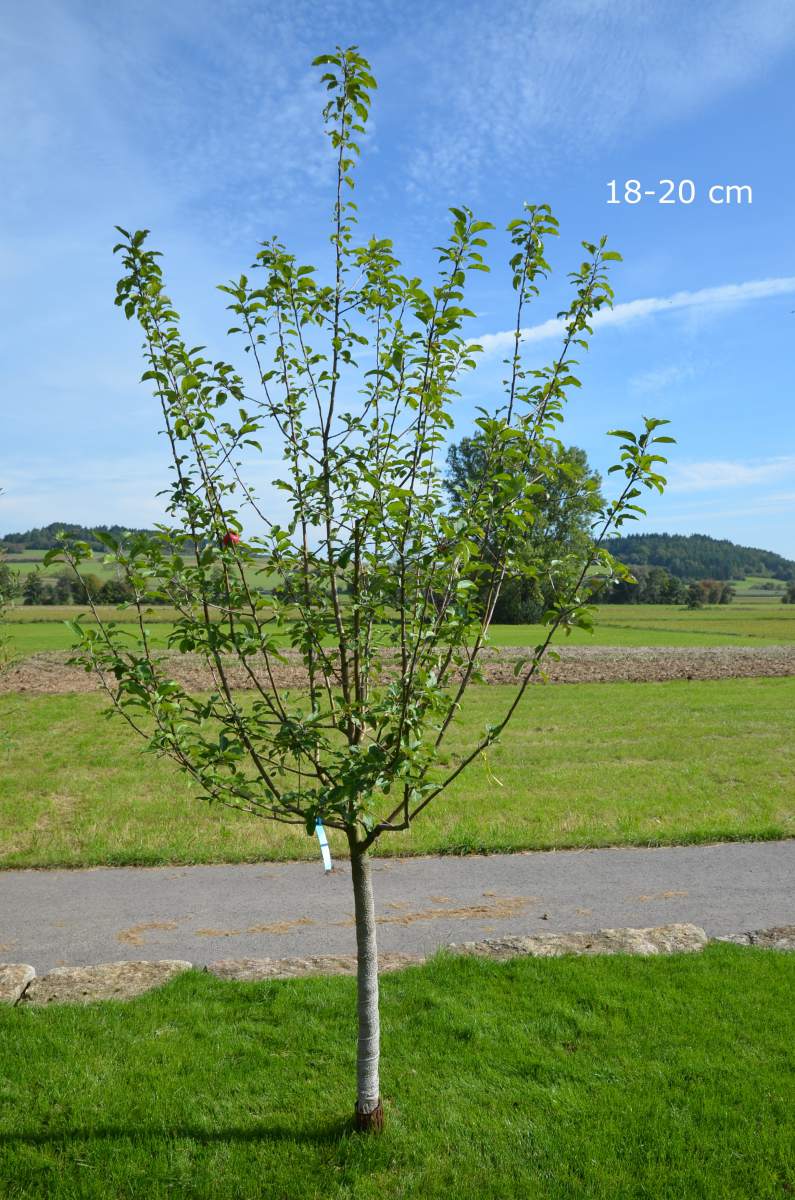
[(698, 556), (46, 537), (695, 556)]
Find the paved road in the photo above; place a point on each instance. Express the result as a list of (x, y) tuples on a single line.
[(49, 918)]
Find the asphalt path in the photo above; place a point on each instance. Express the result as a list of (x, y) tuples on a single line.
[(204, 913)]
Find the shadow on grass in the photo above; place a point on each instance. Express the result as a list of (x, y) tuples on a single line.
[(324, 1135)]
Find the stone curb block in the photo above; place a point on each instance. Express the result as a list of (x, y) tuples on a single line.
[(661, 939), (14, 978), (779, 937), (664, 939), (249, 970), (124, 980), (106, 981)]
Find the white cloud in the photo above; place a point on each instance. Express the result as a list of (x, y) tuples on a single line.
[(712, 475), (204, 111), (726, 296)]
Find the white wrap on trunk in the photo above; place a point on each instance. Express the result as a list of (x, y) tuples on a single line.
[(369, 1046)]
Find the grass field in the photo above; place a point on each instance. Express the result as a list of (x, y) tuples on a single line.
[(31, 560), (25, 564), (759, 585), (56, 614), (600, 1079), (587, 765), (754, 623)]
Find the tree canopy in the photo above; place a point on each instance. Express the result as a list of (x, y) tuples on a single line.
[(564, 515)]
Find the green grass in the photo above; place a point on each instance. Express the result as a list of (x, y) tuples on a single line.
[(586, 765), (594, 1079), (752, 623), (31, 560), (34, 637), (757, 585), (56, 614), (25, 564)]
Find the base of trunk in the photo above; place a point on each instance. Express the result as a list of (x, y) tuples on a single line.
[(370, 1122)]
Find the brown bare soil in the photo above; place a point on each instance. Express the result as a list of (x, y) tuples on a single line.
[(50, 673)]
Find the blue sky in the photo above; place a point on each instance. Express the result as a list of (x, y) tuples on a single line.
[(201, 121)]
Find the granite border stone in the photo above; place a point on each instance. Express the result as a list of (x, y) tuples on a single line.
[(123, 980), (14, 979), (778, 937), (107, 981)]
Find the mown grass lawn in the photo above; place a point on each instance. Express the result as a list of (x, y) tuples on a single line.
[(582, 765), (607, 1078)]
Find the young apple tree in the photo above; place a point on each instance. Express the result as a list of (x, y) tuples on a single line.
[(385, 590)]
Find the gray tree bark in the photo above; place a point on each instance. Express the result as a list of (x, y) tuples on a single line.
[(369, 1113)]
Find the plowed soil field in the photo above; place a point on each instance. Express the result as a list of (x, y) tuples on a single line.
[(50, 673)]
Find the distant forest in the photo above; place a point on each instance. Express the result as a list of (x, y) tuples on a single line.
[(700, 557), (669, 568), (696, 556), (46, 537)]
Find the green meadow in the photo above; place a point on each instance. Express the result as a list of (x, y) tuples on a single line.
[(581, 765), (35, 628), (546, 1079)]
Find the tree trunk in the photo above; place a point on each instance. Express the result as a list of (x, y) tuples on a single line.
[(369, 1113)]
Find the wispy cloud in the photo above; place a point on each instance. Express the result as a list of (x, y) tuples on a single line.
[(718, 474), (198, 101), (662, 378), (552, 77), (127, 489), (185, 105), (726, 296), (775, 507), (40, 491)]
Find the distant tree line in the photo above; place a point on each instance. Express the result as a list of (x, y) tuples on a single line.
[(668, 568), (654, 585), (36, 588), (65, 588), (698, 556), (524, 605)]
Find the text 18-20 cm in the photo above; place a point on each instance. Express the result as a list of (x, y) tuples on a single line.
[(678, 191)]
